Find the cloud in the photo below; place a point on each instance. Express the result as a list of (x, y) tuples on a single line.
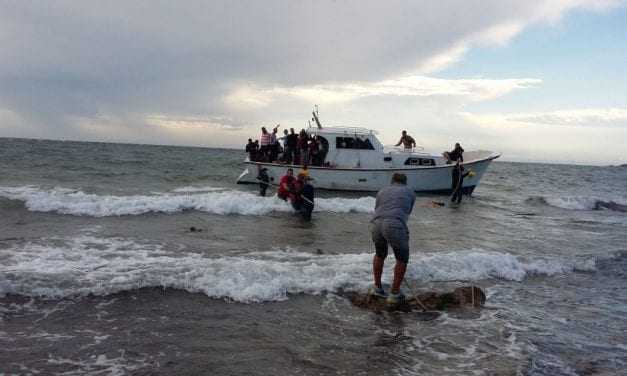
[(219, 123), (471, 90), (590, 117), (86, 70)]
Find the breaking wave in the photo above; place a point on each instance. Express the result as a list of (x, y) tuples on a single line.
[(579, 203), (207, 199), (100, 266)]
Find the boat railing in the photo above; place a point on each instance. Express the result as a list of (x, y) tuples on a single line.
[(400, 149), (342, 130)]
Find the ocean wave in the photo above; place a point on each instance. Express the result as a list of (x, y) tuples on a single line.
[(580, 203), (194, 189), (101, 266), (216, 201)]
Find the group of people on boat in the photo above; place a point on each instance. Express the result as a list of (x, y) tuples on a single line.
[(291, 148)]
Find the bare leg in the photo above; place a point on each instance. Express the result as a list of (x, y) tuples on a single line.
[(377, 269), (399, 274)]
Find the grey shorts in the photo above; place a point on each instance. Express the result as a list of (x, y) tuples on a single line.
[(391, 232)]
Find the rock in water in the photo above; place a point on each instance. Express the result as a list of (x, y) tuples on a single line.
[(461, 297)]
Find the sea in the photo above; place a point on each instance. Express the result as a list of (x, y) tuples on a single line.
[(100, 273)]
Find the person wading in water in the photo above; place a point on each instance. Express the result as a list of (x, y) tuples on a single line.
[(457, 181), (389, 227), (264, 181)]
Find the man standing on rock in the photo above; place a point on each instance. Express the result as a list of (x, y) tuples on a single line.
[(389, 227)]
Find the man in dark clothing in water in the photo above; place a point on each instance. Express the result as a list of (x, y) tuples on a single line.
[(264, 181), (393, 206), (303, 196), (457, 181), (455, 154)]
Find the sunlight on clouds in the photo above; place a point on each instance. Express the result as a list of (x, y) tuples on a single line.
[(443, 60), (553, 11), (174, 122), (590, 117), (472, 90), (499, 35)]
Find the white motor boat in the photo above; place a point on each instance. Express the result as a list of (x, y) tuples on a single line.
[(357, 161)]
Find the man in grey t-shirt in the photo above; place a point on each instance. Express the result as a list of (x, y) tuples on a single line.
[(389, 227)]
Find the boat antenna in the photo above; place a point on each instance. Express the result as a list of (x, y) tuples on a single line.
[(315, 116)]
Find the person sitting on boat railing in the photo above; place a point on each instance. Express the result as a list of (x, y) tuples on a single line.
[(407, 141), (455, 154)]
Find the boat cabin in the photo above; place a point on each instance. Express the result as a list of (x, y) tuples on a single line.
[(350, 147)]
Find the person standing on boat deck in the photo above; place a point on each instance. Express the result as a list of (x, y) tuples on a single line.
[(284, 145), (264, 181), (454, 154), (457, 181), (407, 141), (264, 148), (292, 143), (274, 144), (251, 149), (393, 206), (303, 147), (323, 147), (313, 151)]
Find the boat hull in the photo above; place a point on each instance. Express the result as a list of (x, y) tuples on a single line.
[(420, 179)]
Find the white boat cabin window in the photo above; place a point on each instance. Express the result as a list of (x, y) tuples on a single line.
[(419, 162), (353, 143)]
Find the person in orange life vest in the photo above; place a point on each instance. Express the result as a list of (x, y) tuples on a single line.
[(286, 185)]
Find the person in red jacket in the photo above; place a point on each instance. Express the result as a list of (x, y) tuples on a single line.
[(286, 185)]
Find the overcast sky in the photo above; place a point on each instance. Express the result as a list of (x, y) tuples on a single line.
[(535, 80)]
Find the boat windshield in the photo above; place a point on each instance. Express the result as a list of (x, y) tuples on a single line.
[(353, 143)]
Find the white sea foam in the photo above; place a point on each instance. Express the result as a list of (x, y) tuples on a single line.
[(88, 264), (585, 202), (573, 202), (76, 202), (192, 189), (102, 365)]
